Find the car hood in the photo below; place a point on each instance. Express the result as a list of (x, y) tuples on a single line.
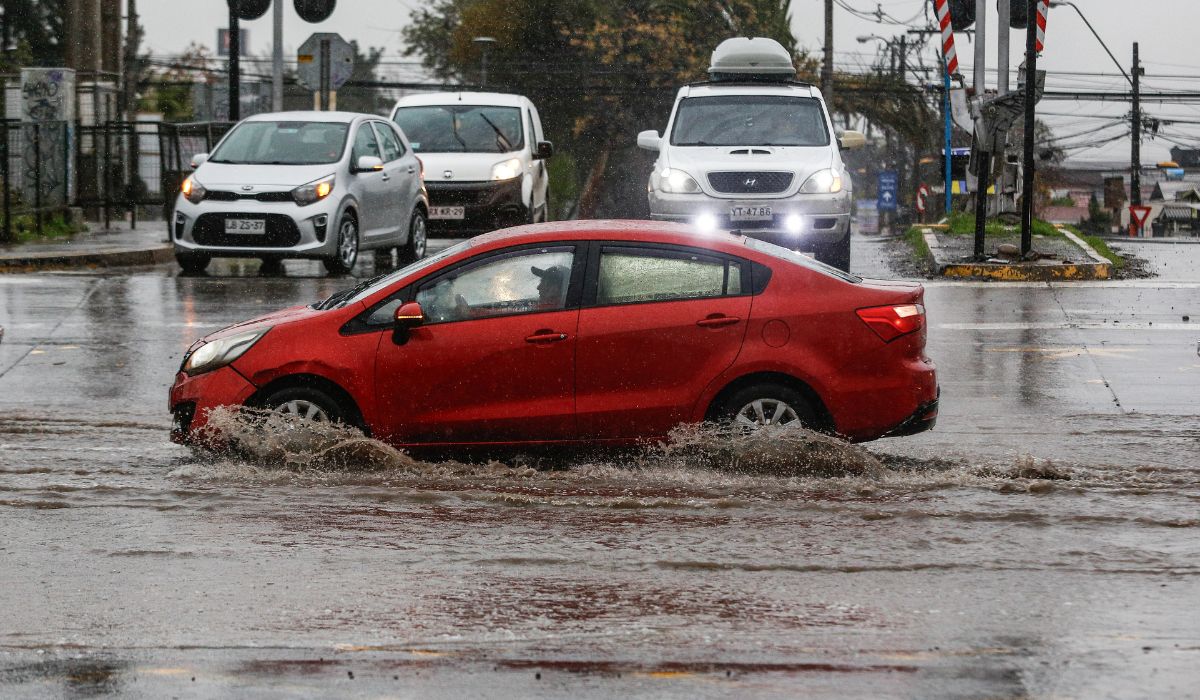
[(462, 167), (291, 314), (700, 160), (225, 175)]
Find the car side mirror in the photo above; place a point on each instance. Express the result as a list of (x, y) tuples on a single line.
[(368, 164), (199, 159), (407, 317), (649, 140), (544, 150), (849, 140)]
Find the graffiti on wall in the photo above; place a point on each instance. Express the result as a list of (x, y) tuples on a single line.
[(47, 113)]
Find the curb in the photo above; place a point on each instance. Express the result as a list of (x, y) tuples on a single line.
[(120, 257), (1098, 269)]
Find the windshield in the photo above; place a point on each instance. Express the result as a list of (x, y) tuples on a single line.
[(366, 288), (283, 143), (750, 120), (462, 128), (799, 259)]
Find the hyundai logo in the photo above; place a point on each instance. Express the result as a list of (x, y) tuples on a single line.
[(247, 188), (750, 182), (448, 174)]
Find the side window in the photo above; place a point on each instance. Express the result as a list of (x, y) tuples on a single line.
[(392, 149), (364, 143), (527, 281), (631, 275), (532, 137)]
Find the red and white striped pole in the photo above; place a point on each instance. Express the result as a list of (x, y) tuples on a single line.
[(1043, 9), (942, 8)]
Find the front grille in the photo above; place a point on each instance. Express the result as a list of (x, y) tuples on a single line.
[(473, 193), (281, 231), (750, 182), (226, 196)]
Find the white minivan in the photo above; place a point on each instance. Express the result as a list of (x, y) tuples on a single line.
[(485, 159), (755, 151)]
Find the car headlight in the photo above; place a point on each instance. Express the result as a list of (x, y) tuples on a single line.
[(674, 181), (314, 191), (823, 182), (507, 170), (193, 190), (218, 353)]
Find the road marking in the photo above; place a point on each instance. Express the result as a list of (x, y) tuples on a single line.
[(1065, 352), (1110, 284), (1067, 325)]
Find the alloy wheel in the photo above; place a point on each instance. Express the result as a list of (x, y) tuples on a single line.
[(763, 412), (419, 237), (348, 244), (301, 408)]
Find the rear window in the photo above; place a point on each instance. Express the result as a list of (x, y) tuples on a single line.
[(800, 259)]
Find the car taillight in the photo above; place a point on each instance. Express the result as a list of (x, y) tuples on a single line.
[(891, 322)]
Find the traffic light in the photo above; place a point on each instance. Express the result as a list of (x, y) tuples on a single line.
[(962, 14), (250, 9), (1018, 13), (314, 10)]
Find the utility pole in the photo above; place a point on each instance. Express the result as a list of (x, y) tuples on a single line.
[(276, 58), (1003, 32), (982, 147), (1135, 162), (1031, 80), (129, 94), (235, 63), (827, 66)]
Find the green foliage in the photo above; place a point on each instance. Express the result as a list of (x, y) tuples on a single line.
[(38, 28), (24, 227), (564, 185), (916, 240), (364, 99)]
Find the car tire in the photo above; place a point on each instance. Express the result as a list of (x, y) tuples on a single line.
[(757, 405), (193, 263), (836, 254), (346, 253), (418, 239), (305, 401)]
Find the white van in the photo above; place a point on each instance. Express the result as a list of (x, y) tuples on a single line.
[(484, 156), (754, 151)]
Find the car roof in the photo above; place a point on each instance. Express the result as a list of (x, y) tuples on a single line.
[(496, 99), (748, 88), (617, 230), (312, 116)]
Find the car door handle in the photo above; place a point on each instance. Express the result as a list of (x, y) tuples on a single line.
[(411, 170), (385, 177), (718, 321), (546, 336)]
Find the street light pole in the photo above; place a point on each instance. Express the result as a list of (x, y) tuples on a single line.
[(1027, 188), (235, 68), (277, 58)]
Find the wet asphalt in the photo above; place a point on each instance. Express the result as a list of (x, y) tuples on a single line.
[(971, 568)]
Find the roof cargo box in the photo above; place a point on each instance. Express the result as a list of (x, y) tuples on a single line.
[(751, 59)]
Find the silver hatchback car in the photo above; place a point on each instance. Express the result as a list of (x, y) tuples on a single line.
[(318, 185)]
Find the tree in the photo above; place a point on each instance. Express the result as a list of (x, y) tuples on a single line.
[(364, 99), (39, 27)]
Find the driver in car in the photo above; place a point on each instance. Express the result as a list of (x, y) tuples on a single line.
[(552, 287)]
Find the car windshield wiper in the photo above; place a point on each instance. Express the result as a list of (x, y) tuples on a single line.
[(501, 140), (347, 294)]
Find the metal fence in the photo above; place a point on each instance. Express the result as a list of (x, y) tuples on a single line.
[(111, 170)]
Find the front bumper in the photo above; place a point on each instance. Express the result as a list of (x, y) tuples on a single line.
[(291, 230), (487, 206), (192, 399), (824, 218)]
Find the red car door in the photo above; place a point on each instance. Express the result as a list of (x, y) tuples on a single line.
[(495, 360), (658, 325)]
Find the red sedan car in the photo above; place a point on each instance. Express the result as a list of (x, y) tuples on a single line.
[(582, 332)]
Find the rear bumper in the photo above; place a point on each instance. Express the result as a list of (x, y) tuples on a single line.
[(487, 206), (922, 419)]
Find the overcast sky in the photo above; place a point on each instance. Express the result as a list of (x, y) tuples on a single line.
[(1166, 30)]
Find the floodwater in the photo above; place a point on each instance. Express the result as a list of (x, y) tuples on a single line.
[(1043, 541)]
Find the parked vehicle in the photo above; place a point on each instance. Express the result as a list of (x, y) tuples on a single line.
[(582, 332), (485, 156), (323, 185), (754, 151)]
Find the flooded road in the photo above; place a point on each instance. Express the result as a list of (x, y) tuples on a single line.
[(1043, 541)]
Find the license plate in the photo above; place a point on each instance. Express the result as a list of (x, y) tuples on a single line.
[(447, 212), (751, 214), (245, 225)]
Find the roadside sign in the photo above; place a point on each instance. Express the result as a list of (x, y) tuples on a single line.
[(1138, 216), (889, 184), (311, 56), (922, 198)]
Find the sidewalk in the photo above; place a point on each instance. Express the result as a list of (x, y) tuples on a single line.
[(1061, 258), (118, 246)]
